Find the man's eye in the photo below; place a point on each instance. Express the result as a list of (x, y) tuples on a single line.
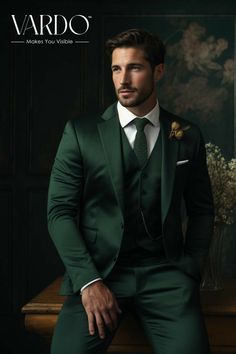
[(115, 69), (136, 68)]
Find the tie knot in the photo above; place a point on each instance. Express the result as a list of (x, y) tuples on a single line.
[(140, 123)]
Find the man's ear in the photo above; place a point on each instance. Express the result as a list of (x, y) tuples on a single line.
[(158, 71)]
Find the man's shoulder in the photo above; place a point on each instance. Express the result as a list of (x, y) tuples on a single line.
[(85, 123), (90, 119), (87, 118)]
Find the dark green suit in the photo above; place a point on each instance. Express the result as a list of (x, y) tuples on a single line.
[(87, 180)]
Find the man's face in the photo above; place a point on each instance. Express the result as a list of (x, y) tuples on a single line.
[(133, 77)]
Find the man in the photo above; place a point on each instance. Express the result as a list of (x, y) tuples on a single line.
[(114, 213)]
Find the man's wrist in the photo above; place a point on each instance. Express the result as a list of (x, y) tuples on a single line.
[(89, 283)]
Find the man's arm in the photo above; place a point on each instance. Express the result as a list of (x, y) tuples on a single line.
[(64, 198), (199, 207), (89, 283)]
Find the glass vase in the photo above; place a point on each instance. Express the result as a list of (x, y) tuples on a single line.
[(212, 276)]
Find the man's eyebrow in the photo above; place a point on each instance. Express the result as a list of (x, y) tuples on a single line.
[(138, 64), (129, 64)]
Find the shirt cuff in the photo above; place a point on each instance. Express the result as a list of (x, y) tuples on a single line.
[(85, 286)]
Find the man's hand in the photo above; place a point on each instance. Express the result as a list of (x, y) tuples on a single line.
[(100, 305)]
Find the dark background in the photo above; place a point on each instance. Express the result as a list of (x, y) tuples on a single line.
[(41, 88)]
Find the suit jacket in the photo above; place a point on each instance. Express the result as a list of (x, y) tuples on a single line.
[(86, 199)]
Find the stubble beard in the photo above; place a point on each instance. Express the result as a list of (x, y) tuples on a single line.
[(140, 98)]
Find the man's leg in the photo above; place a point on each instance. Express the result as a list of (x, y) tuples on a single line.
[(71, 334), (168, 304)]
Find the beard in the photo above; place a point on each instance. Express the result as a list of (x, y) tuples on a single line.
[(137, 98)]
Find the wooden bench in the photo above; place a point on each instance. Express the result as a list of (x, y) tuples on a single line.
[(219, 308)]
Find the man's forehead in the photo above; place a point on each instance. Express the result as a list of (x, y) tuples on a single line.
[(128, 53)]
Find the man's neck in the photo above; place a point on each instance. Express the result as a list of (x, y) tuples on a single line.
[(143, 109)]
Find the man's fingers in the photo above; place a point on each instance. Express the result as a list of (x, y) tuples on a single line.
[(100, 325), (91, 323), (101, 308), (109, 320), (117, 307), (113, 316)]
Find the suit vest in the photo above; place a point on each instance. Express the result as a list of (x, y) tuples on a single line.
[(142, 237)]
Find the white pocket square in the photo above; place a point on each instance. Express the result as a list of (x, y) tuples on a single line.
[(181, 162)]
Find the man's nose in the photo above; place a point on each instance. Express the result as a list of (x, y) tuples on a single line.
[(124, 78)]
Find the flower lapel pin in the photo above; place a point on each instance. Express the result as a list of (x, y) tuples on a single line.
[(177, 131)]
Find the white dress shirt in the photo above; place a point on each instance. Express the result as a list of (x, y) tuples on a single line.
[(151, 131)]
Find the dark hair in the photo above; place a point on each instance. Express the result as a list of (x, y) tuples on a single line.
[(153, 47)]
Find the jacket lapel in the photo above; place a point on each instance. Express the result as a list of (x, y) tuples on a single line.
[(109, 130), (169, 158)]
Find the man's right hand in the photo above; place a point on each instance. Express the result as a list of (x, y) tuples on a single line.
[(101, 307)]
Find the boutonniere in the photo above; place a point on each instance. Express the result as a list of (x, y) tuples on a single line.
[(177, 131)]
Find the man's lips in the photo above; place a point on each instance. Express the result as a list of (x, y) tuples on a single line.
[(125, 91)]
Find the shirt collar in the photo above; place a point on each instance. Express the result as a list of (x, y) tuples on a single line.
[(125, 116)]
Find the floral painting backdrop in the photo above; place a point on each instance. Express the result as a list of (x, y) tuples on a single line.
[(199, 85), (199, 78)]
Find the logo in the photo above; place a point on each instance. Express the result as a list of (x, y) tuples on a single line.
[(52, 25)]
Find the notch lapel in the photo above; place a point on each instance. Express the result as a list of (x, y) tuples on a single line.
[(170, 148), (109, 131)]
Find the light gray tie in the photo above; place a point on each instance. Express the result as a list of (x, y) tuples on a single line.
[(140, 143)]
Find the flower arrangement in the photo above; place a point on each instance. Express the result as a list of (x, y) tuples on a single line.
[(223, 180)]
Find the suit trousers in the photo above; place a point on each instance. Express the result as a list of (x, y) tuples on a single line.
[(165, 299)]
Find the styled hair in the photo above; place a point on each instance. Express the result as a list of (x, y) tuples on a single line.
[(152, 46)]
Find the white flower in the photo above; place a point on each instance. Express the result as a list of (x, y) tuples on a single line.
[(223, 180)]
